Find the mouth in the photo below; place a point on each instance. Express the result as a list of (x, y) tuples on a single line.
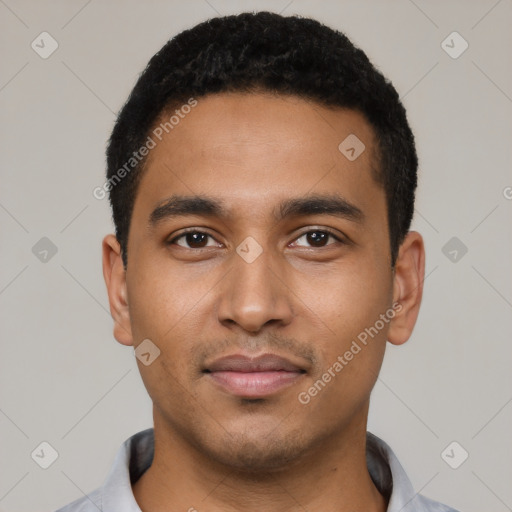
[(253, 377)]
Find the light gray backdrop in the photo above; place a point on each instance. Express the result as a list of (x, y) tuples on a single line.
[(65, 381)]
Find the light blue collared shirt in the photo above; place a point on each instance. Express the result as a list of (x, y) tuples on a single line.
[(136, 455)]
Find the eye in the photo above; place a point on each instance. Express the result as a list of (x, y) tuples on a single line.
[(317, 238), (194, 240)]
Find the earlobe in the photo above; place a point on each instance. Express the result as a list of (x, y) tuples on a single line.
[(114, 274), (408, 280)]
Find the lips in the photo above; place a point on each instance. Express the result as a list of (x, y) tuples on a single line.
[(254, 377)]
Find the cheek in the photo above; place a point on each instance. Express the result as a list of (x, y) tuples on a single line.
[(346, 299), (341, 389), (160, 310), (168, 306), (350, 347), (352, 341), (163, 298)]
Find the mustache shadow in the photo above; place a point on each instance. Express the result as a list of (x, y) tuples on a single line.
[(268, 342)]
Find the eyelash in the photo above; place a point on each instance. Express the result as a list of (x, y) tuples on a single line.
[(193, 230)]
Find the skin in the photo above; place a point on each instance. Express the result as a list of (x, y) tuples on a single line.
[(301, 299)]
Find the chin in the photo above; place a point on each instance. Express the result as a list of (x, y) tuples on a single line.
[(248, 454)]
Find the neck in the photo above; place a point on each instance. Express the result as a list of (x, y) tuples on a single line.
[(333, 477)]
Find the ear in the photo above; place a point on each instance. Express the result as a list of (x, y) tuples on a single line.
[(409, 275), (114, 274)]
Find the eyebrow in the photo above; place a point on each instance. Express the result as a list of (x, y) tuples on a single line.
[(176, 206), (332, 204)]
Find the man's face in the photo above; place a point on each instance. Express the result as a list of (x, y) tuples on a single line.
[(257, 278)]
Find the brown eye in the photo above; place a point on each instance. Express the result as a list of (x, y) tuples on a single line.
[(316, 238), (193, 240)]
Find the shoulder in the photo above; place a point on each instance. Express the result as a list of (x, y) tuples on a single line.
[(391, 479), (133, 457)]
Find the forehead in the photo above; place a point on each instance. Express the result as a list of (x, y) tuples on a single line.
[(248, 147)]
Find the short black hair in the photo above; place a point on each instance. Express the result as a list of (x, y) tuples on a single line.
[(264, 51)]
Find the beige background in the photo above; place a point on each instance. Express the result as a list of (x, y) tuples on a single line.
[(64, 380)]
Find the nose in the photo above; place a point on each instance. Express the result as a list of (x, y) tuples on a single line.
[(255, 294)]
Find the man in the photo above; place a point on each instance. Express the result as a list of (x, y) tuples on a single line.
[(262, 178)]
